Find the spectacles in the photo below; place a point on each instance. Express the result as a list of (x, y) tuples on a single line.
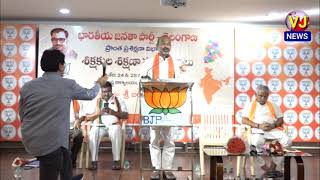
[(62, 40), (106, 91)]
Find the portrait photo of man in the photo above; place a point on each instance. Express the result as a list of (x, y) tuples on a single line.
[(59, 40)]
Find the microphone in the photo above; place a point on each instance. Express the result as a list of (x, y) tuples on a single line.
[(104, 69), (156, 65)]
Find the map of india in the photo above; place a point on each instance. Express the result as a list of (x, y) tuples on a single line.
[(210, 85)]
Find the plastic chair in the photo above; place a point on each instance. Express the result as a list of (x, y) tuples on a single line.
[(85, 145), (241, 160), (215, 130)]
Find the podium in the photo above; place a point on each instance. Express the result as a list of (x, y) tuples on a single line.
[(165, 103)]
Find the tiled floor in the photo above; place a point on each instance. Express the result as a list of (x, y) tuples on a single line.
[(104, 167)]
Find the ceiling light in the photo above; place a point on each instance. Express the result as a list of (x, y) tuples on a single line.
[(276, 16), (173, 3), (64, 11), (313, 12)]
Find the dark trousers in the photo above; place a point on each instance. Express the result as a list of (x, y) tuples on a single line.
[(55, 163), (76, 139)]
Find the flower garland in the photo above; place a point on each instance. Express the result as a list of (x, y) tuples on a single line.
[(236, 145), (273, 148)]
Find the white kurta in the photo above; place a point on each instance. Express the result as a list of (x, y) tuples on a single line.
[(162, 159), (258, 137), (108, 129)]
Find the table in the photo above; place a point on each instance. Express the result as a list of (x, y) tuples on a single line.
[(216, 162)]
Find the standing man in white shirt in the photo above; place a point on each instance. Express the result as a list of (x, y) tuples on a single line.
[(162, 66)]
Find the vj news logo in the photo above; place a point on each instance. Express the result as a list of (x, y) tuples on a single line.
[(297, 22)]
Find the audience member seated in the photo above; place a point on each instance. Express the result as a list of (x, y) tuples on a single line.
[(109, 111), (75, 136), (265, 119)]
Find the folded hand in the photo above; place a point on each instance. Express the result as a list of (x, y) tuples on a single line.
[(266, 126)]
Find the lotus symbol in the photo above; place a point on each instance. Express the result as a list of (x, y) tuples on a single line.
[(165, 101)]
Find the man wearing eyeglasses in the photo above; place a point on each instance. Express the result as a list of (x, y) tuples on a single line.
[(59, 38)]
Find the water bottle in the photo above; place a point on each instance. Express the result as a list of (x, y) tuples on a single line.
[(197, 169), (18, 172), (225, 174), (126, 165), (231, 174)]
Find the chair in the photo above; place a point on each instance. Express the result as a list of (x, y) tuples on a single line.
[(85, 146), (85, 127), (241, 160), (215, 130)]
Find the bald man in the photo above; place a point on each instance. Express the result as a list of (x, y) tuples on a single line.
[(265, 118), (162, 67)]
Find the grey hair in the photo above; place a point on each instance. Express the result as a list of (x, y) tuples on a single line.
[(262, 88)]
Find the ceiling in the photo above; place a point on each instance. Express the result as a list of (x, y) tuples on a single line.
[(150, 10)]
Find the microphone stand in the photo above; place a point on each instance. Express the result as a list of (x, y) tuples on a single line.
[(156, 65), (104, 65)]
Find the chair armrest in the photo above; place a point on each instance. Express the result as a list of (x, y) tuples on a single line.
[(285, 128), (123, 143), (124, 124)]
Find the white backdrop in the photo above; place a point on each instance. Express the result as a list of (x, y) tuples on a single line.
[(125, 49)]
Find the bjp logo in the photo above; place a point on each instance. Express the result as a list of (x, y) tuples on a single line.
[(165, 101)]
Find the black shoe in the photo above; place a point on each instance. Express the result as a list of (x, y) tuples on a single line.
[(253, 150), (273, 174), (155, 175), (94, 165), (77, 177), (169, 175), (116, 165), (278, 174)]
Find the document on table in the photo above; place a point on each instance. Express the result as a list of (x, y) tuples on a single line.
[(257, 131)]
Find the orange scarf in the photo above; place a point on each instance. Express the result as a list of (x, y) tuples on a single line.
[(155, 69), (253, 110), (76, 106)]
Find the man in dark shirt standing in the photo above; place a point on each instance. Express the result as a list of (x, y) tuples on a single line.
[(44, 108), (59, 40)]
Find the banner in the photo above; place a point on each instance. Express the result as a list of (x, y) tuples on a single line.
[(291, 70), (17, 61), (207, 54)]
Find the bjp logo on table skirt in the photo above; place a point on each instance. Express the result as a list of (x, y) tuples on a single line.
[(165, 101)]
